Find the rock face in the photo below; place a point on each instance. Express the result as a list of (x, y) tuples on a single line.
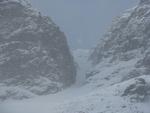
[(34, 54), (128, 33), (127, 41), (144, 1), (137, 91)]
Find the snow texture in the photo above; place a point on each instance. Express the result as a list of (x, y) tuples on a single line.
[(115, 79)]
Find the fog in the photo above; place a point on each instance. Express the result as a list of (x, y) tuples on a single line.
[(40, 73), (83, 21)]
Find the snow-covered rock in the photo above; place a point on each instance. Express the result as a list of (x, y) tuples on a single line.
[(107, 100), (34, 55), (119, 62), (137, 91), (123, 53), (82, 100), (118, 81)]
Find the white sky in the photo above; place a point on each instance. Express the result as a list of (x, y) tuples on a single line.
[(83, 21)]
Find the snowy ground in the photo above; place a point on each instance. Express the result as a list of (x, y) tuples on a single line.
[(79, 100), (47, 104), (83, 97)]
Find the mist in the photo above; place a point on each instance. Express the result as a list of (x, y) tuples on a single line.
[(54, 58), (83, 21)]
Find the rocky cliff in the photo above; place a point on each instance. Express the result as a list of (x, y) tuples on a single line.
[(34, 55), (127, 42)]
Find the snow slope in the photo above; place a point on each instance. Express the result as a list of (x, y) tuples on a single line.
[(84, 98), (80, 100), (117, 82)]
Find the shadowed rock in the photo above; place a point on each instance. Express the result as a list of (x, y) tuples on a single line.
[(34, 54)]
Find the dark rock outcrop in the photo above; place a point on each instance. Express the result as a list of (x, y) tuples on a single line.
[(137, 91), (34, 54)]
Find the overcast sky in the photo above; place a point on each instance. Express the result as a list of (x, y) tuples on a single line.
[(83, 21)]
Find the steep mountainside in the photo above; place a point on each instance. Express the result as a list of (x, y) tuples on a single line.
[(118, 81), (127, 43), (34, 55), (88, 99)]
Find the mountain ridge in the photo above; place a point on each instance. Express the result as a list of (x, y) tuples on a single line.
[(35, 56)]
